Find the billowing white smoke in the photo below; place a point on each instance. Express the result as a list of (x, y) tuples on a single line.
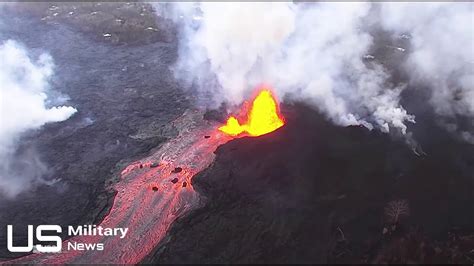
[(23, 95), (315, 52), (312, 52), (442, 52)]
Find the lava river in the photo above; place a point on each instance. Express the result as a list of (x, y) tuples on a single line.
[(147, 202)]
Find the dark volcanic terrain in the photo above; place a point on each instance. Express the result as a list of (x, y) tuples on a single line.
[(312, 192), (126, 98)]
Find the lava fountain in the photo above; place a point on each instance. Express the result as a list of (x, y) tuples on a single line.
[(262, 118)]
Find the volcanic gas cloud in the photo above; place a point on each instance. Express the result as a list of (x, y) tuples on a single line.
[(262, 118)]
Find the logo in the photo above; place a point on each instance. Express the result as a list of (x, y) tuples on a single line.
[(39, 236), (43, 234)]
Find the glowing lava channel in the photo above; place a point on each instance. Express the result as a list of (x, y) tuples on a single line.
[(147, 201), (263, 118)]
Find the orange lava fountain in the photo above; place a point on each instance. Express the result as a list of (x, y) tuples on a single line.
[(263, 118)]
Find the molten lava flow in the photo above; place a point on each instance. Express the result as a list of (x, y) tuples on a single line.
[(263, 117), (149, 199)]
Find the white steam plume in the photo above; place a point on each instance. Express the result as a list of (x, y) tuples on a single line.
[(442, 53), (312, 52), (23, 98)]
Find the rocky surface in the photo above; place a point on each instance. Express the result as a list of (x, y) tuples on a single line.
[(126, 98), (121, 23), (312, 192)]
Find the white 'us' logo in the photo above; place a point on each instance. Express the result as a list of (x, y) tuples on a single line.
[(39, 237)]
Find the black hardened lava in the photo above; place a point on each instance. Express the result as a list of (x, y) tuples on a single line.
[(315, 192), (126, 98)]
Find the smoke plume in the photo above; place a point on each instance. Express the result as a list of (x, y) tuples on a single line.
[(24, 107), (316, 52), (442, 54)]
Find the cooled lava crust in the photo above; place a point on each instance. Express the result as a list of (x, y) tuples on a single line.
[(312, 192)]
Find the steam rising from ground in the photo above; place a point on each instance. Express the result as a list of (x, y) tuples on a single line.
[(24, 100), (442, 54), (315, 52)]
